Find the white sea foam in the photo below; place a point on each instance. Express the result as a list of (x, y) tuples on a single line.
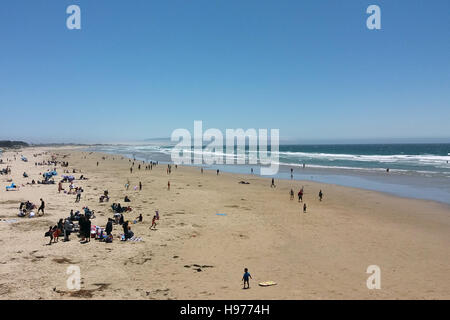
[(401, 162)]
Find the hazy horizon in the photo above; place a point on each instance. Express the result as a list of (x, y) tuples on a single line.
[(283, 141)]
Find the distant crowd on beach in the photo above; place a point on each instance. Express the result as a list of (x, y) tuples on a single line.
[(81, 222)]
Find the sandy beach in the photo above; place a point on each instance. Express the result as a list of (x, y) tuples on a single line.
[(194, 253)]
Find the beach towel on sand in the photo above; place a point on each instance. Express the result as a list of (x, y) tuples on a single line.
[(133, 238), (11, 187)]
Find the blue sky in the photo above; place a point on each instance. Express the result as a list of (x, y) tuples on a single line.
[(141, 68)]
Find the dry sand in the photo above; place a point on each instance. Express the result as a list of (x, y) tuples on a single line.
[(321, 254)]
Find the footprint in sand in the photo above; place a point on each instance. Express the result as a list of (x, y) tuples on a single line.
[(4, 289), (63, 260)]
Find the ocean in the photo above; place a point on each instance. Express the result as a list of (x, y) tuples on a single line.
[(415, 170)]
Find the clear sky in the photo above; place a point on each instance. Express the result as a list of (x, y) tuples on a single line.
[(141, 68)]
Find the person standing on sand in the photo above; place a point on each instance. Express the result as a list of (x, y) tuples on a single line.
[(320, 195), (49, 233), (125, 229), (292, 194), (42, 207), (246, 277), (131, 169), (67, 229), (88, 229), (273, 183), (201, 170), (153, 223), (168, 185), (300, 195), (78, 195), (304, 208), (217, 171), (140, 186), (59, 187), (109, 227), (82, 224)]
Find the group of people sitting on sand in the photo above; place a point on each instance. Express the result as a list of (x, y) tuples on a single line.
[(64, 227), (5, 171), (77, 221), (117, 208), (126, 226), (82, 223), (27, 209), (46, 163), (104, 197)]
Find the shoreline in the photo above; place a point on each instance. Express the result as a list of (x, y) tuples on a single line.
[(321, 254), (405, 185)]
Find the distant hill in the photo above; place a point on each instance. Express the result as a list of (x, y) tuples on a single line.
[(12, 144)]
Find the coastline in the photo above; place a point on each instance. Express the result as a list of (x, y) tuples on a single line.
[(403, 183), (322, 254)]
